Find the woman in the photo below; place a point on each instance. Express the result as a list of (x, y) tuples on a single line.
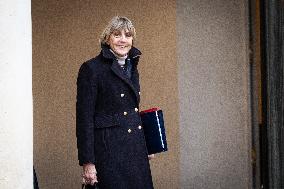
[(110, 139)]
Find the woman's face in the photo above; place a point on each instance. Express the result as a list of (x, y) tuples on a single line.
[(120, 42)]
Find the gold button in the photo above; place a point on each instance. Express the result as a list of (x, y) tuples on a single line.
[(139, 127), (129, 130), (125, 113), (139, 92), (122, 95), (136, 109)]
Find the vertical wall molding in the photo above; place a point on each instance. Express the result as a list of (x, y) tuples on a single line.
[(254, 84)]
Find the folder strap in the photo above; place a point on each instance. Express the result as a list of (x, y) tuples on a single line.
[(160, 131)]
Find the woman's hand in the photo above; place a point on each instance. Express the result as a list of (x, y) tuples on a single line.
[(151, 156), (89, 174)]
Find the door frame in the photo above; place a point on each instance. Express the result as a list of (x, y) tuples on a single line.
[(272, 28)]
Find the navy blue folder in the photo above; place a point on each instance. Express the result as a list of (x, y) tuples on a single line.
[(154, 130)]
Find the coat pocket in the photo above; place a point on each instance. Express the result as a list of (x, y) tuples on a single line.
[(104, 121)]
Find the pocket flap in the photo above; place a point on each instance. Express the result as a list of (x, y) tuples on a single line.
[(104, 120)]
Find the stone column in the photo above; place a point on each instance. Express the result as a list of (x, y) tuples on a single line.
[(16, 115)]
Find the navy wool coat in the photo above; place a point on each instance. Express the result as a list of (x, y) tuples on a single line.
[(108, 125)]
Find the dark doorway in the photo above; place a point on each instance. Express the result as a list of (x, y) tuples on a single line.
[(272, 131), (266, 39)]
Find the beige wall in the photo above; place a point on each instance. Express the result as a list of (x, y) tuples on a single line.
[(65, 33), (213, 74), (194, 66)]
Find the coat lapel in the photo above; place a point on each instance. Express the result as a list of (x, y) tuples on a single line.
[(118, 71), (134, 53)]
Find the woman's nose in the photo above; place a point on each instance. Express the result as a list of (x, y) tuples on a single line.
[(123, 38)]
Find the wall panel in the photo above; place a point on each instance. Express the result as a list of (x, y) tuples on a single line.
[(214, 94)]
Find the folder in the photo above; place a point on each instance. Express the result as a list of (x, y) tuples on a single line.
[(154, 130)]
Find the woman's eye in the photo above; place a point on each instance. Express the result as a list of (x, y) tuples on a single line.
[(128, 35), (116, 35)]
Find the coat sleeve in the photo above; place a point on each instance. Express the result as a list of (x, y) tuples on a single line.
[(85, 108)]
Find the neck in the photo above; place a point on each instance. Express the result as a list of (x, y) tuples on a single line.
[(120, 59)]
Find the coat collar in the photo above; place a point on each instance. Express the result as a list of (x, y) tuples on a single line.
[(133, 53)]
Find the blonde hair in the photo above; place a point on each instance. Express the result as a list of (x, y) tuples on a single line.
[(117, 23)]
